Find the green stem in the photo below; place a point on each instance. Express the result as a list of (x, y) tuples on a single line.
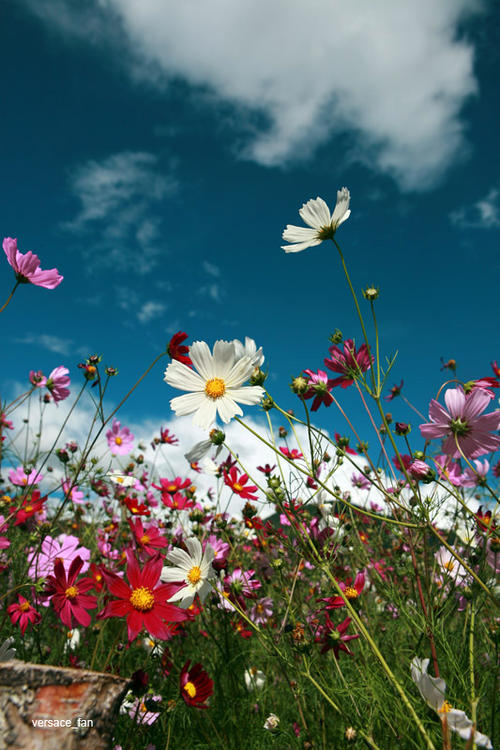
[(9, 297)]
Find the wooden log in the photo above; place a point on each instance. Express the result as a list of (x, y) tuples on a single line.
[(55, 708)]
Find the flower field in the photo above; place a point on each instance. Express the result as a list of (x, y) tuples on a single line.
[(343, 594)]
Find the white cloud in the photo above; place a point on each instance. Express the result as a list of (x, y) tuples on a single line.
[(484, 214), (149, 311), (46, 341), (211, 269), (118, 197), (393, 74)]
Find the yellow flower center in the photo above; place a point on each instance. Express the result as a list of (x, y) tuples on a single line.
[(351, 593), (28, 508), (190, 689), (194, 574), (449, 565), (118, 440), (253, 670), (237, 487), (172, 488), (215, 388), (142, 599), (144, 539), (24, 606), (445, 708), (71, 592)]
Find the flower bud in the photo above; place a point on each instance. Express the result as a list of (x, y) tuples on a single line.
[(336, 337), (402, 428), (267, 403), (258, 376), (299, 385)]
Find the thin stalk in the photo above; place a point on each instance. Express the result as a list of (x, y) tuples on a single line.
[(9, 297)]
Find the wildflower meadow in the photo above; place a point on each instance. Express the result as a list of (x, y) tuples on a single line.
[(343, 593)]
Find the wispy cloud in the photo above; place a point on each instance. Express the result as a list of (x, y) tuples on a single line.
[(393, 76), (118, 198), (212, 291), (211, 269), (484, 214), (51, 343), (150, 310)]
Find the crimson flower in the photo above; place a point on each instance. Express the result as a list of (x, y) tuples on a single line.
[(267, 470), (136, 508), (69, 596), (30, 506), (349, 591), (195, 685), (237, 484), (177, 350), (148, 538), (142, 601), (23, 613), (166, 437), (395, 391), (333, 637), (177, 501), (350, 363), (319, 387), (171, 486), (292, 455)]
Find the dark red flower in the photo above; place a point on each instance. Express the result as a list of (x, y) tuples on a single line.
[(395, 391), (136, 508), (333, 636), (148, 538), (31, 505), (23, 613), (166, 437), (267, 470), (239, 484), (351, 591), (178, 350), (495, 368), (69, 596), (350, 363), (195, 685), (142, 601)]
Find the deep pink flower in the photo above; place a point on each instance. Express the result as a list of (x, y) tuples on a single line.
[(239, 485), (319, 387), (395, 391), (333, 636), (177, 501), (69, 596), (171, 486), (23, 613), (448, 469), (358, 480), (166, 437), (142, 601), (464, 423), (27, 267), (148, 538), (37, 378), (495, 368), (75, 494), (292, 455), (120, 439), (349, 362), (351, 591), (57, 383)]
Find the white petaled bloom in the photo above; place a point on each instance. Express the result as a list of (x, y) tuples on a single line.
[(254, 678), (216, 386), (272, 723), (320, 224), (122, 479), (249, 349), (432, 690), (450, 565), (73, 640), (194, 570)]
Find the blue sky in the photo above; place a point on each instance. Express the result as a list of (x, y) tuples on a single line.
[(154, 152)]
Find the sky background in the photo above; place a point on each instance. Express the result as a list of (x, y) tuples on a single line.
[(154, 152)]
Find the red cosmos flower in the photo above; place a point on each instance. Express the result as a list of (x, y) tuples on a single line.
[(149, 538), (195, 466), (343, 442), (177, 350), (23, 613), (136, 508), (30, 506), (292, 455), (142, 601), (267, 470), (96, 573), (484, 520), (171, 486), (177, 501), (333, 636), (69, 596), (166, 437), (350, 363), (395, 391), (195, 685), (350, 592), (237, 484)]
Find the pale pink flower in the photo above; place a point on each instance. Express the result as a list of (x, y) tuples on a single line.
[(75, 494), (472, 478), (120, 439), (262, 610), (57, 383), (27, 267), (21, 479), (37, 378), (65, 547), (448, 469), (358, 480), (464, 423)]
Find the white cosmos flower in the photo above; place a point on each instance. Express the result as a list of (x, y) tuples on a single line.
[(73, 640), (316, 214), (249, 349), (216, 386), (432, 690), (193, 569), (255, 679), (124, 479)]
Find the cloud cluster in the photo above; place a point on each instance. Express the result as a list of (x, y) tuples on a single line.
[(483, 214), (392, 75), (117, 197)]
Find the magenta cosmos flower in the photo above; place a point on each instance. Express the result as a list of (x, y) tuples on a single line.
[(57, 383), (27, 267), (69, 596), (464, 423), (319, 386), (349, 362), (120, 439)]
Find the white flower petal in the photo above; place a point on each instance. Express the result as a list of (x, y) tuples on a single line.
[(249, 394), (179, 557), (293, 233), (205, 415), (223, 358), (202, 360), (195, 550), (300, 246), (228, 408), (180, 376), (239, 373), (342, 207), (315, 213), (172, 575), (188, 403)]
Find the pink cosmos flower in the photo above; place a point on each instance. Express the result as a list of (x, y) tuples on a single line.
[(448, 470), (57, 383), (319, 387), (292, 455), (140, 710), (348, 362), (358, 480), (65, 547), (37, 378), (262, 610), (464, 423), (75, 494), (120, 439), (27, 267), (4, 542), (21, 479), (473, 478)]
